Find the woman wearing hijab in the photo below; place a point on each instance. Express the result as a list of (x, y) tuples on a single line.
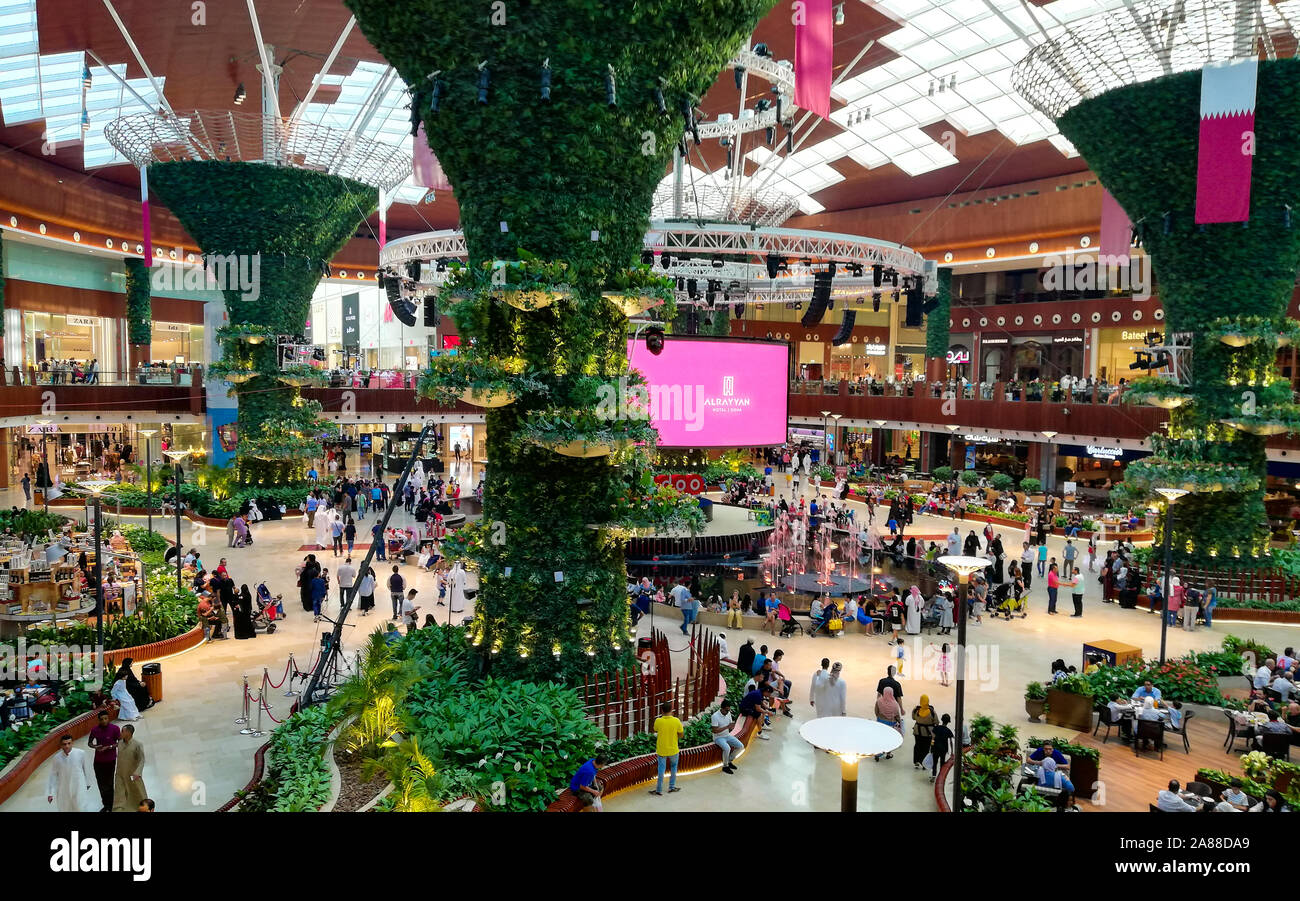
[(134, 686), (889, 712), (127, 710), (915, 604), (924, 720), (1048, 777), (243, 613)]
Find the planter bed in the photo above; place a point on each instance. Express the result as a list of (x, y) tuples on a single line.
[(79, 503), (174, 645), (1239, 614)]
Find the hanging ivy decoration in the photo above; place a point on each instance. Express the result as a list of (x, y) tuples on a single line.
[(139, 312)]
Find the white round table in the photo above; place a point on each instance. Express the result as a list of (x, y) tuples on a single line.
[(850, 738)]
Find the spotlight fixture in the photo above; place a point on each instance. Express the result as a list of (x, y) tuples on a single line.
[(546, 79), (648, 257), (692, 289), (875, 302), (856, 269), (761, 50), (665, 260), (440, 266), (839, 14), (718, 262), (773, 265), (416, 102), (85, 77), (240, 94), (413, 270), (739, 72), (484, 82), (877, 275), (654, 340), (611, 87), (435, 97), (660, 106)]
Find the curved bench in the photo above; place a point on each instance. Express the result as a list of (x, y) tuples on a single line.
[(165, 648), (628, 774)]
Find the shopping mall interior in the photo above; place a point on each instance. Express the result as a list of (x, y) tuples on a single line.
[(415, 405)]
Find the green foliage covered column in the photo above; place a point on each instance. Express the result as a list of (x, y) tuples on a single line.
[(139, 305), (563, 188), (280, 226), (1228, 284)]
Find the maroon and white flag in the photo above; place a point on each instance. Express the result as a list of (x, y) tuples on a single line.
[(1227, 141), (814, 49), (427, 170), (1116, 229)]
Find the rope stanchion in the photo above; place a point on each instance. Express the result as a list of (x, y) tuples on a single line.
[(247, 697), (266, 681), (269, 715), (292, 692), (242, 719), (284, 676), (257, 732)]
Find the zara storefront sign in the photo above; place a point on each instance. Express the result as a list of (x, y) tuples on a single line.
[(82, 321), (1101, 452)]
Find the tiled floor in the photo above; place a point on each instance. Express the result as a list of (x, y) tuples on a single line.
[(197, 759)]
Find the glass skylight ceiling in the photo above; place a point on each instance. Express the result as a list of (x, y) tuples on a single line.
[(373, 101), (48, 89)]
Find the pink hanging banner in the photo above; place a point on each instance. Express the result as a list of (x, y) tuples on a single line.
[(144, 211), (1116, 229), (383, 220), (428, 171), (1227, 141), (814, 46)]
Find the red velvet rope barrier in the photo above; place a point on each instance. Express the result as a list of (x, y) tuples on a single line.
[(266, 679), (262, 703)]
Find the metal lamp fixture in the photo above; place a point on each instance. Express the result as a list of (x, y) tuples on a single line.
[(148, 472), (1171, 495), (95, 486), (963, 567), (176, 456)]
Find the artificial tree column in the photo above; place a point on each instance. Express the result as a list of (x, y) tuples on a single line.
[(1227, 284), (554, 121), (280, 226)]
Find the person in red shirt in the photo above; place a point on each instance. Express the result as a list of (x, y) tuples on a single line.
[(1053, 587), (104, 738)]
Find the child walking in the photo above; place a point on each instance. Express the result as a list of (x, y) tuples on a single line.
[(945, 662), (900, 654)]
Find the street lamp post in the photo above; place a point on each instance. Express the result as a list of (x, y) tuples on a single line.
[(1171, 495), (95, 486), (148, 472), (964, 567), (850, 738), (837, 417), (176, 456)]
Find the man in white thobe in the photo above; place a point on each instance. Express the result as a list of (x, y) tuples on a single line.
[(70, 778), (456, 578)]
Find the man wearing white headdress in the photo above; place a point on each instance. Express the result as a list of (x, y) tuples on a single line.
[(417, 476), (456, 581), (324, 527)]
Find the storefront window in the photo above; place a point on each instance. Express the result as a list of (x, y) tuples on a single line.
[(55, 336), (177, 343)]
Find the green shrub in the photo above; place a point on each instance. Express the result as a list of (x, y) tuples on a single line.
[(970, 477), (1035, 691), (943, 473), (1001, 482), (523, 737), (297, 777), (30, 523), (1030, 485), (26, 733)]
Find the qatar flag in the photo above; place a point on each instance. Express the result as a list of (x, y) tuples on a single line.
[(427, 170), (1227, 141), (814, 48)]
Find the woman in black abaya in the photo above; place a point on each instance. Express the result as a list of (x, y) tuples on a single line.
[(243, 614)]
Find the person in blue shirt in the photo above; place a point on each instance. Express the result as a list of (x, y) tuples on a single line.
[(759, 659), (1051, 777), (1049, 752), (586, 786), (1146, 691), (312, 474)]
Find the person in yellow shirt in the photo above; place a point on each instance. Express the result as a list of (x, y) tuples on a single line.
[(668, 732)]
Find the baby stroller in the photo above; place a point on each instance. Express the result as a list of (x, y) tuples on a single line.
[(1004, 602), (789, 625), (268, 610)]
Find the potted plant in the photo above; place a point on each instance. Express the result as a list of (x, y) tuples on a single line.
[(1035, 701), (1070, 703)]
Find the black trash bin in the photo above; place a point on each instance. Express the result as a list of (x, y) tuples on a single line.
[(151, 676)]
